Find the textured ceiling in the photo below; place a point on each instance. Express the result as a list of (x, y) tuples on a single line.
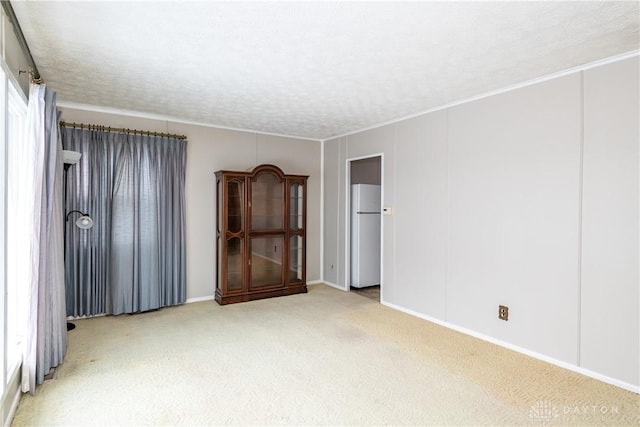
[(311, 70)]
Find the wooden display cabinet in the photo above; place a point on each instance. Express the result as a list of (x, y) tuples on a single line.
[(260, 233)]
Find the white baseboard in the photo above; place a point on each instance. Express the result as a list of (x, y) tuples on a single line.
[(544, 358), (13, 392), (72, 318), (199, 299), (14, 407), (333, 285), (315, 282)]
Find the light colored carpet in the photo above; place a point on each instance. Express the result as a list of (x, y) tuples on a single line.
[(322, 358)]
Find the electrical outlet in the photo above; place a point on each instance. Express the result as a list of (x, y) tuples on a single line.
[(503, 312)]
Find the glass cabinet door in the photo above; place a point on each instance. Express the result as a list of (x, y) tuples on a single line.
[(218, 233), (267, 196), (295, 258), (235, 245), (235, 205), (296, 232), (266, 261), (234, 264), (296, 206)]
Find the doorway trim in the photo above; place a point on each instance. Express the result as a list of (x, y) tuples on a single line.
[(347, 221)]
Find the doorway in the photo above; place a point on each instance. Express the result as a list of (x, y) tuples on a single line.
[(364, 231)]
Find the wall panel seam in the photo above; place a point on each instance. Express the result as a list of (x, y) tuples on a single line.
[(447, 140), (580, 214), (338, 216), (321, 237)]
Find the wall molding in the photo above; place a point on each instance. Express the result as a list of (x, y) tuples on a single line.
[(580, 249), (199, 299), (542, 357), (321, 266), (572, 70), (163, 118), (333, 285)]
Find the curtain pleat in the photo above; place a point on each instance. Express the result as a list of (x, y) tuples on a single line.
[(133, 259)]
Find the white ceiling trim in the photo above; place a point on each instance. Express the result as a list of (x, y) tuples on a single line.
[(159, 117), (314, 69), (163, 118), (573, 70)]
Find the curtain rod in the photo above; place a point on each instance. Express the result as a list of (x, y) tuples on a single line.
[(8, 10), (32, 76), (121, 130)]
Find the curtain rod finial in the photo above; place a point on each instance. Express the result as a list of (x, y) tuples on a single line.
[(34, 77)]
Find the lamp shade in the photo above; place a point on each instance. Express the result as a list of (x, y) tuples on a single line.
[(85, 222), (70, 157)]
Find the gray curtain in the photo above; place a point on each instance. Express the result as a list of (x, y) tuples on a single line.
[(134, 257), (52, 322)]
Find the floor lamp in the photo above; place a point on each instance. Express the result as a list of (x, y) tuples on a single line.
[(84, 222)]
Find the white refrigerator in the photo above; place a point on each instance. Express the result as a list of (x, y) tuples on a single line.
[(365, 235)]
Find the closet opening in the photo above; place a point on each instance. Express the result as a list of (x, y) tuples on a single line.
[(364, 217)]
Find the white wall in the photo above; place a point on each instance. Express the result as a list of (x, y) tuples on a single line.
[(420, 212), (610, 317), (331, 207), (488, 210), (211, 149), (514, 169)]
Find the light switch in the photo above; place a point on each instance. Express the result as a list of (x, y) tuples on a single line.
[(387, 210)]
